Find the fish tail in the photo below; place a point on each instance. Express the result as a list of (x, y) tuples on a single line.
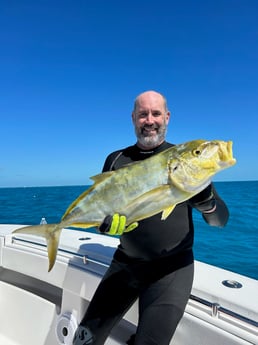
[(51, 232)]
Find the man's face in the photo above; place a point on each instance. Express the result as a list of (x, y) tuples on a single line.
[(150, 119)]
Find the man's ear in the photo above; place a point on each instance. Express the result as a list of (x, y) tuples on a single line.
[(133, 117), (167, 117)]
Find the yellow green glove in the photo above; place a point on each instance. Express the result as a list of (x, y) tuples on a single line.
[(116, 225)]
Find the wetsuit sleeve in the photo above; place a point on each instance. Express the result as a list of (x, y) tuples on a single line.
[(107, 164), (214, 210), (110, 161)]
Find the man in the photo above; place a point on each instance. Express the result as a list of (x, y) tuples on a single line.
[(154, 262)]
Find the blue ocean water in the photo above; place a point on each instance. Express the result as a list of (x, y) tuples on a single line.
[(233, 247)]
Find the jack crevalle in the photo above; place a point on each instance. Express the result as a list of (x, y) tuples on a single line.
[(142, 189)]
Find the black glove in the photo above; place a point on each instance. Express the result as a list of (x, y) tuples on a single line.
[(205, 201), (116, 225), (106, 224)]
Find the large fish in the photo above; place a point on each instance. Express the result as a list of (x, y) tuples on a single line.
[(142, 189)]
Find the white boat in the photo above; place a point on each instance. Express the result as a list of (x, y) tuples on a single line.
[(41, 308)]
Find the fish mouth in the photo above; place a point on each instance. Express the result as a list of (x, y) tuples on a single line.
[(226, 154), (218, 155)]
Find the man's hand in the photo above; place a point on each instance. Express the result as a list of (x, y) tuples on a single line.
[(205, 201), (116, 225)]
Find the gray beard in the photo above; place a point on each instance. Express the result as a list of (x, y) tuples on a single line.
[(152, 140)]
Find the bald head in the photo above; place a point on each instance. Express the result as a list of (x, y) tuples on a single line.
[(150, 96), (150, 118)]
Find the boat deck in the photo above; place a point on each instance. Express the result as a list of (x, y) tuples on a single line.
[(44, 308)]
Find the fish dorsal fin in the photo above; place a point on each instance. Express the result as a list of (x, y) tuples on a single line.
[(97, 179), (167, 212), (101, 177)]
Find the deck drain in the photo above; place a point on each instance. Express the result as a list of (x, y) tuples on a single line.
[(65, 328)]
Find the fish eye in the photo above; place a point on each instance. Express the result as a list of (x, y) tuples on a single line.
[(197, 152)]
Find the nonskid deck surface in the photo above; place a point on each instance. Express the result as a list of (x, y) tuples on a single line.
[(82, 260)]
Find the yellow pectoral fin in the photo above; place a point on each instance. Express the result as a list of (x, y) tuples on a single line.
[(167, 212), (147, 204), (155, 194)]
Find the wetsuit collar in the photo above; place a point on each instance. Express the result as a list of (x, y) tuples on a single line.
[(151, 151)]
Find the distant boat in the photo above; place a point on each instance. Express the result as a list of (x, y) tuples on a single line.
[(41, 308)]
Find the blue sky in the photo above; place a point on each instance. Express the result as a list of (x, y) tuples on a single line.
[(70, 71)]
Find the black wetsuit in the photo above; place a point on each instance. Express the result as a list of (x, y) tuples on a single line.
[(153, 262)]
